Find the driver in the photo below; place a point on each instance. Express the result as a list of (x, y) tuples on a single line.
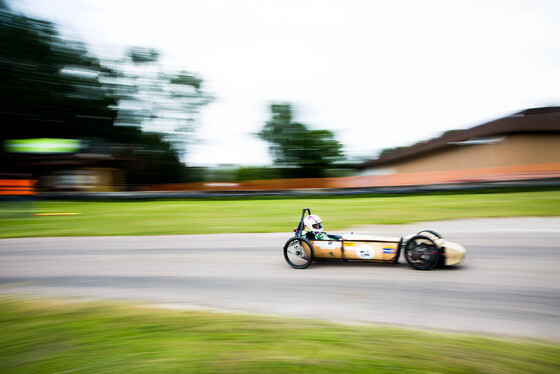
[(313, 229)]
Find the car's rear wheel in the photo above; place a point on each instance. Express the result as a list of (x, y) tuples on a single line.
[(298, 252), (421, 252)]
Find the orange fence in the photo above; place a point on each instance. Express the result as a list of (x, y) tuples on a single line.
[(492, 174), (17, 187)]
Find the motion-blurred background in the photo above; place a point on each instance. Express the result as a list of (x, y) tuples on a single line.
[(98, 96), (455, 105)]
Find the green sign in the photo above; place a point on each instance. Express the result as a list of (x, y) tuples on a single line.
[(42, 145)]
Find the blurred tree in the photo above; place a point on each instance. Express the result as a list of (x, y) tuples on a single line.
[(143, 55), (51, 87), (302, 152), (157, 99), (48, 87), (247, 173)]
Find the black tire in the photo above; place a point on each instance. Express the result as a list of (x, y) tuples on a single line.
[(430, 232), (421, 253), (298, 252)]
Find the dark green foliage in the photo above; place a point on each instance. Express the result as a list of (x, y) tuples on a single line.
[(48, 87), (303, 152), (140, 55), (258, 173), (186, 79), (53, 88)]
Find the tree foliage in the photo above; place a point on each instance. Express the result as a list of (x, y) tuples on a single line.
[(48, 86), (163, 101), (303, 152), (129, 108)]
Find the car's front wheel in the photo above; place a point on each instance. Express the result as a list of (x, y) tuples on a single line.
[(423, 232), (298, 252), (421, 252)]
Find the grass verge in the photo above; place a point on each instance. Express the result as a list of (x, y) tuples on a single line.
[(41, 336), (208, 216)]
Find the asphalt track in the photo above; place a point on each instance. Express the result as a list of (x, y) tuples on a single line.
[(508, 284)]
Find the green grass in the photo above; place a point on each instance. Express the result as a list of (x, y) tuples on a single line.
[(207, 216), (41, 336)]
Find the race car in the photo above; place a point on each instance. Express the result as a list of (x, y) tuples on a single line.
[(423, 251)]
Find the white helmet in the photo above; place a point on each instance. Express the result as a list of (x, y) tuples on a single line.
[(313, 223)]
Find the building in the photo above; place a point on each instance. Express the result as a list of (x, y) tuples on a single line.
[(525, 145), (56, 167)]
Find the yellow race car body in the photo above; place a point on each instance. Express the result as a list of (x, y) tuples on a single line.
[(423, 251)]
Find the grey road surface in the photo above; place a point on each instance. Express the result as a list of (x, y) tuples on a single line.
[(508, 284)]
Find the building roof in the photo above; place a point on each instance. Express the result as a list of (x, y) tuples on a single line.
[(529, 121)]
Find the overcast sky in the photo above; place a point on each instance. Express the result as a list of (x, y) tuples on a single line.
[(378, 73)]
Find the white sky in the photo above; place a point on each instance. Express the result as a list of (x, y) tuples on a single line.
[(378, 73)]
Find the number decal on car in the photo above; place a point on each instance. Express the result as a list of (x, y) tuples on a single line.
[(365, 251)]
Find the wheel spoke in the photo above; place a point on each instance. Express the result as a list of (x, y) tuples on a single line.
[(298, 252)]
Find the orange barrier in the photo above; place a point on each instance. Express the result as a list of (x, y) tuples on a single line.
[(17, 187), (492, 174)]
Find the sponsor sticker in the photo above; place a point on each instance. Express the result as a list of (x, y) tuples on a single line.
[(389, 250), (327, 245)]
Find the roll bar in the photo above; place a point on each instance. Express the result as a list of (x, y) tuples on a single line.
[(300, 226)]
